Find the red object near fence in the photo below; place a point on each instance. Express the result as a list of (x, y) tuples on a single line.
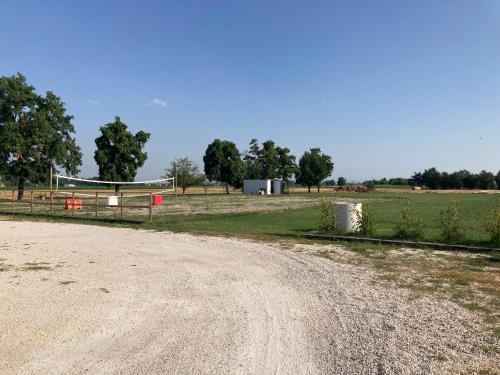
[(157, 200), (73, 204)]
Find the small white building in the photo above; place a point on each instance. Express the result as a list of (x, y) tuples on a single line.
[(264, 187)]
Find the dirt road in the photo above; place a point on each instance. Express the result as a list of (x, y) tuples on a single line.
[(84, 299)]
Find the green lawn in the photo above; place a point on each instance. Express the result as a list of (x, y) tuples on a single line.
[(292, 222), (386, 207)]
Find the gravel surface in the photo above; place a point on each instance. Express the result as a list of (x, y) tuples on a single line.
[(97, 300)]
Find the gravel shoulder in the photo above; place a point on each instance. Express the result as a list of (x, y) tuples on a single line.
[(85, 299)]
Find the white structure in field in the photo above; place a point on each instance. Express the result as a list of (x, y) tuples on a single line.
[(347, 216), (264, 187)]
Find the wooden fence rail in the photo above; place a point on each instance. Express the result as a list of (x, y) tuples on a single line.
[(53, 199)]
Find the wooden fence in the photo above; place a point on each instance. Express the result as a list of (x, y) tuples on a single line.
[(87, 204)]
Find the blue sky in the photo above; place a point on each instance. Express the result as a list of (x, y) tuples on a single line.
[(385, 87)]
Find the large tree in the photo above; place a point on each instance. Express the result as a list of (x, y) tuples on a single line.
[(314, 167), (36, 134), (286, 164), (486, 180), (268, 160), (119, 152), (341, 181), (223, 164), (432, 178), (185, 172), (251, 161)]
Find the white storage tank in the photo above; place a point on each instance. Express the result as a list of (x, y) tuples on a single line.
[(347, 216)]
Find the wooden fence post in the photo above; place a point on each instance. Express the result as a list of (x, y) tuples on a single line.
[(51, 202), (73, 204), (121, 206), (96, 204), (150, 207), (13, 200), (31, 201)]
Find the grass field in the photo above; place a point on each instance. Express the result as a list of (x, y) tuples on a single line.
[(286, 220), (292, 215)]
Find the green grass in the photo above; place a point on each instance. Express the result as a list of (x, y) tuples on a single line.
[(292, 222), (386, 208)]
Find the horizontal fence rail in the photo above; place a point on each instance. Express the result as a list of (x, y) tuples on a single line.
[(83, 203)]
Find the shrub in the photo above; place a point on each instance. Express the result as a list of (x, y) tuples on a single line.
[(327, 220), (451, 227), (366, 221), (492, 225), (410, 227)]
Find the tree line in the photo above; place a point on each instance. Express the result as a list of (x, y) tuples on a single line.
[(224, 163), (463, 179), (36, 135)]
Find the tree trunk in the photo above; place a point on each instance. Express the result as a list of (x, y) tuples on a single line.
[(20, 188), (308, 188), (227, 189), (117, 189), (318, 188), (183, 190)]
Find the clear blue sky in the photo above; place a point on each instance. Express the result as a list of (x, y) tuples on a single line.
[(385, 87)]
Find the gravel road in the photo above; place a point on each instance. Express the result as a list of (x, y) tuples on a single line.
[(97, 300)]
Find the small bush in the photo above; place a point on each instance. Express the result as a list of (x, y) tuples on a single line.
[(366, 221), (410, 227), (492, 225), (327, 220), (450, 223)]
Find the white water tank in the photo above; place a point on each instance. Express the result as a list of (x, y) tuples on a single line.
[(113, 200), (347, 216)]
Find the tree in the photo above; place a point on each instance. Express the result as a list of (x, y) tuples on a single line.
[(251, 161), (185, 172), (497, 179), (286, 164), (471, 181), (486, 180), (432, 178), (223, 164), (119, 152), (314, 167), (341, 181), (35, 134), (268, 160), (416, 179)]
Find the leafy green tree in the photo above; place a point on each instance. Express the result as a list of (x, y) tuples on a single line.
[(341, 181), (314, 167), (486, 180), (185, 172), (223, 164), (286, 164), (471, 181), (416, 179), (251, 161), (268, 160), (119, 152), (432, 178), (497, 180), (35, 134)]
